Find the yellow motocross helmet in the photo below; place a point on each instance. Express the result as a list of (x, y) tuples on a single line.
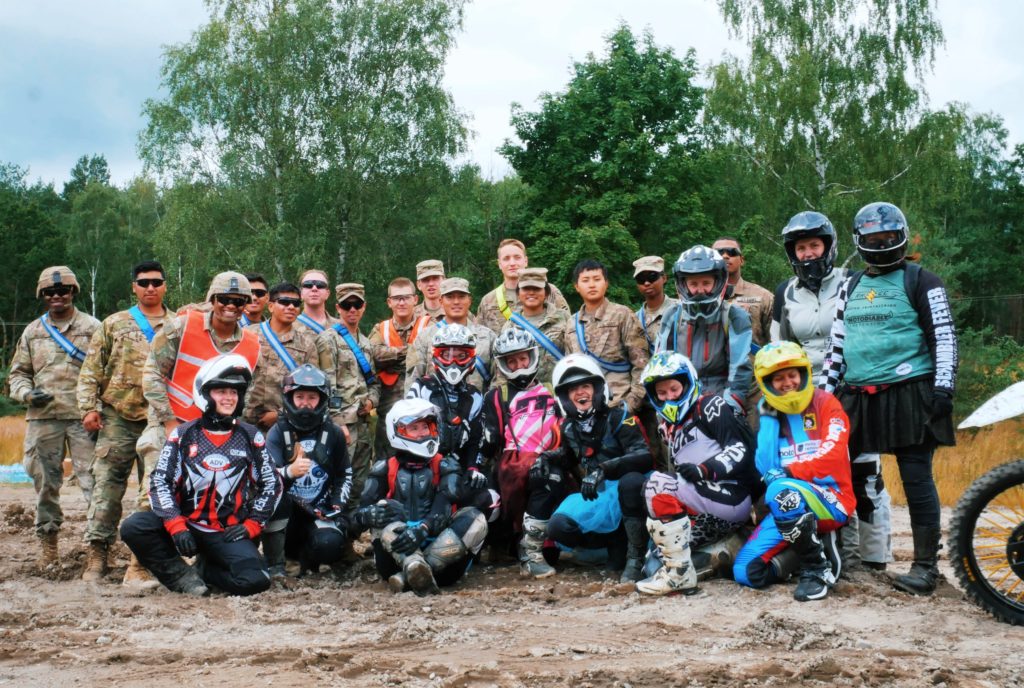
[(779, 356)]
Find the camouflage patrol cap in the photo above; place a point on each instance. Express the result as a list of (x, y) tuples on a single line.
[(429, 268), (533, 277), (54, 276), (229, 283), (348, 289), (454, 284), (648, 264)]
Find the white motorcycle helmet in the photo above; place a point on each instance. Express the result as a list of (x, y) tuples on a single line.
[(403, 414)]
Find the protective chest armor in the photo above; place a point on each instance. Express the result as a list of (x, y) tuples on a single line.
[(454, 429), (531, 424), (415, 489)]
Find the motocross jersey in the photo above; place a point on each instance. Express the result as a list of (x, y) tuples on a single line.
[(329, 480)]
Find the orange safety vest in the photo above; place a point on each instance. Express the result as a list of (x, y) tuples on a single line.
[(197, 348), (391, 338)]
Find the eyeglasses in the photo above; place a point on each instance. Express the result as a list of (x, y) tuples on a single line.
[(57, 291), (285, 301), (730, 251), (314, 284), (647, 277), (258, 293), (147, 283), (353, 305), (402, 298), (457, 355), (227, 300)]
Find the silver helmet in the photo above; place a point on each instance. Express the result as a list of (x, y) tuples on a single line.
[(454, 352), (701, 260), (515, 340)]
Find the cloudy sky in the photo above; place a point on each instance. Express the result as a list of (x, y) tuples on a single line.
[(74, 74)]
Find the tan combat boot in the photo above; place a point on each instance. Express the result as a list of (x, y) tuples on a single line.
[(48, 551), (136, 576), (95, 562)]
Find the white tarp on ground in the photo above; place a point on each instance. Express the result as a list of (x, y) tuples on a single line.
[(1006, 404)]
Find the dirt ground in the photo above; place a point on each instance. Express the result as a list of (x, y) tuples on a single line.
[(579, 628)]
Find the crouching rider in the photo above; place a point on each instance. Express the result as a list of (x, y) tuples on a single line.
[(420, 540), (212, 490)]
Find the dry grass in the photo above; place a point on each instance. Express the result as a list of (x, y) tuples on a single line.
[(12, 438), (976, 452)]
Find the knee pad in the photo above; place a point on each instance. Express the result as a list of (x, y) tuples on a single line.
[(784, 501), (446, 549), (470, 526), (666, 506)]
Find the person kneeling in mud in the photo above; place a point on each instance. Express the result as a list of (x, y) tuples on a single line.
[(802, 452), (310, 523), (212, 491), (604, 453), (407, 504), (708, 497)]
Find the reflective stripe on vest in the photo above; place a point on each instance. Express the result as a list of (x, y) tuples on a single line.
[(499, 296), (195, 349), (391, 338)]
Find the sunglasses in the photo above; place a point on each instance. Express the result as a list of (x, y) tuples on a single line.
[(729, 251), (285, 301), (236, 301), (647, 277), (259, 293), (352, 305), (57, 291), (146, 283), (314, 284)]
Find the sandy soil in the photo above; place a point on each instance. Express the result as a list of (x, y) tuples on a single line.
[(494, 629)]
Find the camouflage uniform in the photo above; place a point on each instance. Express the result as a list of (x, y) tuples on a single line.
[(342, 369), (111, 385), (435, 314), (651, 321), (40, 362), (551, 323), (756, 301), (488, 314), (429, 268), (419, 358), (265, 391), (390, 359), (331, 322), (613, 334)]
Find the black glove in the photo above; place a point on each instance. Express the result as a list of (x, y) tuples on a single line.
[(340, 520), (692, 472), (38, 398), (235, 533), (590, 484), (185, 543), (377, 515), (476, 479), (540, 470), (409, 540), (942, 405)]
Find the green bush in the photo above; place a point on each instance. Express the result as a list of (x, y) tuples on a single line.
[(989, 363)]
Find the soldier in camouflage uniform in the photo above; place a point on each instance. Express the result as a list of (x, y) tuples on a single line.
[(44, 373), (497, 306), (315, 294), (429, 275), (349, 367), (456, 301), (609, 333), (254, 312), (389, 341), (111, 403), (264, 402), (538, 310)]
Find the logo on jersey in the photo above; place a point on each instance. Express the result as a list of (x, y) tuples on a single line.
[(870, 296), (216, 462), (713, 408), (811, 421), (193, 451)]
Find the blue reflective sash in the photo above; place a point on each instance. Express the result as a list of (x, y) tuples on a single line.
[(616, 367), (310, 323), (277, 346), (244, 320), (142, 322), (364, 365), (478, 362), (541, 338), (70, 349)]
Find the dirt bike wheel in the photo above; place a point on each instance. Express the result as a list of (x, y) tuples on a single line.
[(986, 537)]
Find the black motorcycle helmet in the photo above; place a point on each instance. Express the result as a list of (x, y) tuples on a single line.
[(308, 377), (805, 225), (876, 218)]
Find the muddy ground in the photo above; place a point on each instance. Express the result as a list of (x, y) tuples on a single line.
[(494, 629)]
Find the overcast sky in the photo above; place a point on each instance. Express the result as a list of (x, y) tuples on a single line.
[(74, 74)]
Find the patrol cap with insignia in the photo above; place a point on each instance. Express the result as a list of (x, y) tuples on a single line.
[(454, 284), (229, 283), (648, 264), (348, 289), (533, 277), (429, 268), (54, 276)]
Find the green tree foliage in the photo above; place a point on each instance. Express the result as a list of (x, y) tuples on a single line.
[(291, 118), (613, 162)]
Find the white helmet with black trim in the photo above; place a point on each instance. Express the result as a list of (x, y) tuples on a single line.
[(454, 352), (701, 260), (571, 371), (515, 340), (403, 414), (229, 371)]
